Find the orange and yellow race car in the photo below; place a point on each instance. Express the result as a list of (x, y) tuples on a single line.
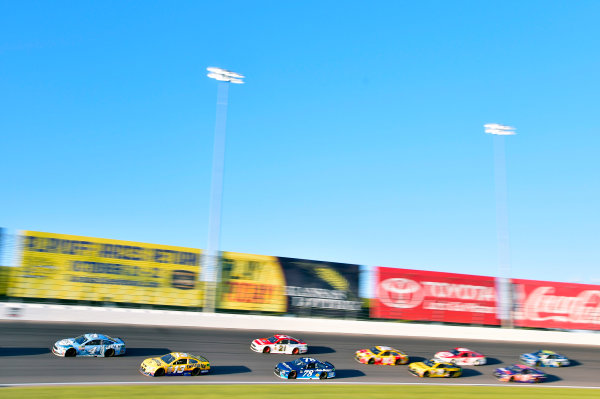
[(433, 368), (175, 363), (381, 355)]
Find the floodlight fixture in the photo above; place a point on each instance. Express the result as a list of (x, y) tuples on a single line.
[(498, 129), (224, 75)]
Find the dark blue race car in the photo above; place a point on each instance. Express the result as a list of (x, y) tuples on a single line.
[(306, 368)]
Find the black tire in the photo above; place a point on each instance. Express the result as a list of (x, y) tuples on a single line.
[(426, 374), (451, 374), (295, 351), (159, 372), (195, 372), (292, 375), (511, 379), (267, 349), (371, 361), (398, 362), (538, 364), (323, 376), (109, 353), (71, 352)]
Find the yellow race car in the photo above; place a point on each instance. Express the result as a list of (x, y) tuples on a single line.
[(381, 355), (433, 368), (175, 363)]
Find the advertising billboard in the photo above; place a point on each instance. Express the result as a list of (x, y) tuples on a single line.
[(547, 304), (321, 288), (251, 282), (434, 296), (79, 268)]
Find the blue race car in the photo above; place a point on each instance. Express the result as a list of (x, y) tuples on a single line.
[(89, 345), (544, 358), (306, 368)]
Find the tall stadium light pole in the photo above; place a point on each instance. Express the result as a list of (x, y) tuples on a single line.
[(210, 260), (503, 283)]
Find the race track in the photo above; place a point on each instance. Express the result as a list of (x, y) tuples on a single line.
[(25, 356)]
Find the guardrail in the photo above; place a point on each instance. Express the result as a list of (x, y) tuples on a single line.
[(10, 311)]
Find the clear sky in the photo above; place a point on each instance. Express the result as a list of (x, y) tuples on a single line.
[(358, 136)]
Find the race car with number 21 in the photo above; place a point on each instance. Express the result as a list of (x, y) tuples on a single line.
[(279, 343)]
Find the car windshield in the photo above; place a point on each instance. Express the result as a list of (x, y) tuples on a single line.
[(454, 352), (429, 363), (375, 350), (272, 340), (299, 362), (79, 340), (515, 369), (168, 358)]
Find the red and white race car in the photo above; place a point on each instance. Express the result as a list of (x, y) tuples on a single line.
[(461, 356), (279, 343)]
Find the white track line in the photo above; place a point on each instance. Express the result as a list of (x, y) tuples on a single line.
[(40, 384)]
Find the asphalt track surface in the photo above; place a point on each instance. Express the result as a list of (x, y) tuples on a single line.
[(25, 356)]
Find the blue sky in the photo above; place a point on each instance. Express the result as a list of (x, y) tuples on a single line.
[(358, 136)]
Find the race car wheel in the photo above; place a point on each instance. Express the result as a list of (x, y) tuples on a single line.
[(511, 379), (451, 374), (538, 364), (195, 372), (71, 352), (371, 361), (295, 351), (267, 349), (426, 374), (398, 362), (292, 375), (109, 353), (323, 376), (159, 372)]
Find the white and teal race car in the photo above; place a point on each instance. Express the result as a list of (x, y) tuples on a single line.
[(89, 345), (544, 358)]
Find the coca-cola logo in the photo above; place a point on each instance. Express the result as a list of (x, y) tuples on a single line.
[(541, 305), (400, 293)]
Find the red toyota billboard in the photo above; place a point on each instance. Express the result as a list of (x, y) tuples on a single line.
[(548, 304), (434, 296)]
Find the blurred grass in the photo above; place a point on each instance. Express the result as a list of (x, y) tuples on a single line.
[(296, 390)]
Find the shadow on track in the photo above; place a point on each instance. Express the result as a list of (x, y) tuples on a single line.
[(414, 359), (574, 363), (221, 370), (319, 350), (552, 378), (146, 352), (23, 351), (345, 373), (470, 373), (492, 361)]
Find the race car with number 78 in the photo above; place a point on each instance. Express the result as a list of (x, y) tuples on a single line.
[(279, 343), (305, 368)]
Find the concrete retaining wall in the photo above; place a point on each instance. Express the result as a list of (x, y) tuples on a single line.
[(85, 314)]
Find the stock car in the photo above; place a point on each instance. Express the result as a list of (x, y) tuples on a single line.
[(544, 358), (305, 368), (433, 368), (175, 363), (462, 356), (519, 373), (381, 355), (89, 345), (279, 343)]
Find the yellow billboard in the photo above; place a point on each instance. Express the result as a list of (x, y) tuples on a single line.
[(252, 282), (96, 269)]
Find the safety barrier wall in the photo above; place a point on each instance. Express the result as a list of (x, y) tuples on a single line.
[(82, 314)]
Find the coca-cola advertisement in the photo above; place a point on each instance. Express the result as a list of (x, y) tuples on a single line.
[(548, 304), (434, 296)]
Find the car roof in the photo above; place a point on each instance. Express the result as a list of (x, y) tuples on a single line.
[(547, 352), (385, 348), (96, 336)]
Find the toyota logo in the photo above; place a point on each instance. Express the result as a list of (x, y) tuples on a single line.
[(400, 293)]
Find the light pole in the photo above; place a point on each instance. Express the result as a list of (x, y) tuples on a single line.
[(503, 284), (210, 260)]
